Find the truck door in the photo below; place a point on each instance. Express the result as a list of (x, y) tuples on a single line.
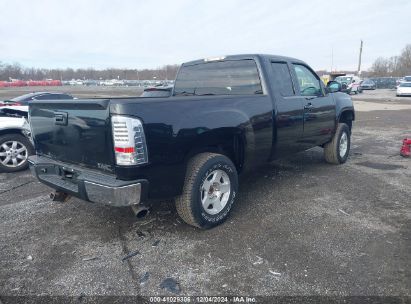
[(288, 111), (319, 107)]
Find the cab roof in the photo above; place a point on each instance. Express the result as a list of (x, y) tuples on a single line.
[(242, 57)]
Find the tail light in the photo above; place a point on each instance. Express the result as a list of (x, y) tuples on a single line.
[(10, 104), (129, 141)]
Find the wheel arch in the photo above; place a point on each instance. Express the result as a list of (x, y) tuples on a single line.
[(230, 142), (346, 116), (12, 131)]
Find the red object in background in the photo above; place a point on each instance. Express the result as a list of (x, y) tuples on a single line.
[(30, 83), (406, 147)]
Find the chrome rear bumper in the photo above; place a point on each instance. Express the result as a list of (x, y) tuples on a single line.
[(120, 196), (87, 184)]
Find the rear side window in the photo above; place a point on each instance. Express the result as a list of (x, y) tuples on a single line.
[(282, 78), (64, 96), (235, 77), (53, 97), (44, 97)]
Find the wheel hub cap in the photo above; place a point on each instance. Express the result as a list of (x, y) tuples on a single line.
[(13, 154), (215, 191), (343, 144)]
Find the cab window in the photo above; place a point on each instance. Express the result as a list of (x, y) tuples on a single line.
[(229, 77), (309, 84)]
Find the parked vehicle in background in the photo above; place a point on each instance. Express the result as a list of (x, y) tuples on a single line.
[(349, 83), (90, 82), (228, 115), (24, 100), (354, 87), (112, 83), (404, 89), (159, 91), (368, 84), (385, 82), (15, 144)]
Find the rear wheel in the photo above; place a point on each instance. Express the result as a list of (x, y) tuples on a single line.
[(14, 151), (337, 150), (210, 187)]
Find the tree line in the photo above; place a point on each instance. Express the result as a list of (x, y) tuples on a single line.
[(17, 71), (395, 66)]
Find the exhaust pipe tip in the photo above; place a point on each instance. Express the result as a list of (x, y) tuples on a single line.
[(140, 211), (59, 196)]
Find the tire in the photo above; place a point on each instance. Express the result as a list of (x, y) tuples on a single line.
[(336, 145), (202, 169), (6, 144)]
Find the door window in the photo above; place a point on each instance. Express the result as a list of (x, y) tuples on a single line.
[(282, 79), (308, 82)]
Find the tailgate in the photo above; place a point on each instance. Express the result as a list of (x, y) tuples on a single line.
[(74, 131)]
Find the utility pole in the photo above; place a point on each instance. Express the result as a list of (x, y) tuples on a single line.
[(359, 59)]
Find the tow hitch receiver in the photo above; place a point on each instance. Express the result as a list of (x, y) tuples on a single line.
[(59, 196), (406, 147)]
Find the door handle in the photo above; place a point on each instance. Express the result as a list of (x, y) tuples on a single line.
[(60, 118), (309, 106)]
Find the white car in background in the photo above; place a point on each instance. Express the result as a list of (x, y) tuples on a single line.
[(15, 142), (404, 89)]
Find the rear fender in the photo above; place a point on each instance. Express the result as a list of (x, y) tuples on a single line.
[(237, 143)]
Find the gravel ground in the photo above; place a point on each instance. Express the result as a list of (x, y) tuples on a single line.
[(300, 227)]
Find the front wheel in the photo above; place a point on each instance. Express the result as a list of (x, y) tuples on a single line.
[(337, 150), (210, 188)]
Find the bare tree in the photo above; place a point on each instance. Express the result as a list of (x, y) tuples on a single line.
[(405, 61), (16, 71), (395, 66)]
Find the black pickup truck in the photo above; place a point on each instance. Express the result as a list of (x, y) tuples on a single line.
[(226, 116)]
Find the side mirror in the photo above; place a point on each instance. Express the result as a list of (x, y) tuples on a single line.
[(333, 86)]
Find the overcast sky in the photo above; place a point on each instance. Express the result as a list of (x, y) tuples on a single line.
[(147, 34)]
